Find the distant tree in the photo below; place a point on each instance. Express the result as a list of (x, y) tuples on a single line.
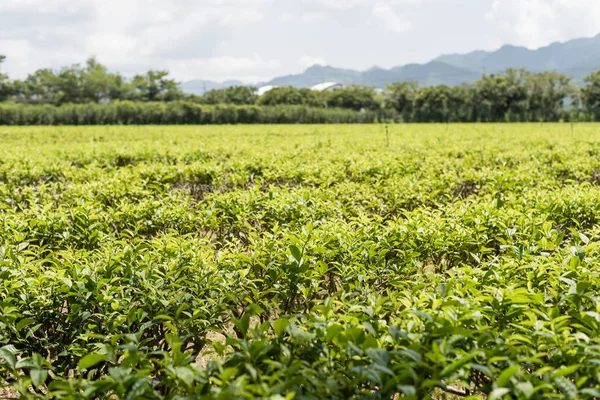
[(156, 86), (96, 83), (292, 96), (120, 89), (460, 103), (590, 94), (240, 95), (548, 94), (74, 84), (42, 86), (69, 84), (355, 97), (6, 89), (19, 90), (502, 97), (401, 97), (432, 104)]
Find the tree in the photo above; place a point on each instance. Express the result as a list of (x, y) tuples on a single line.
[(292, 96), (590, 94), (240, 95), (355, 97), (42, 86), (74, 84), (96, 83), (69, 85), (401, 97), (120, 89), (432, 104), (461, 103), (155, 86), (5, 85), (548, 93), (502, 97)]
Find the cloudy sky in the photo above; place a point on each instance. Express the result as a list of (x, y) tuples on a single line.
[(255, 40)]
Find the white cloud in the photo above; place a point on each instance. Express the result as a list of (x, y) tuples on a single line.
[(391, 19), (349, 4), (406, 2), (306, 17), (217, 38), (129, 35), (248, 69), (43, 6), (287, 17), (309, 61), (535, 23), (340, 4), (18, 48), (313, 17)]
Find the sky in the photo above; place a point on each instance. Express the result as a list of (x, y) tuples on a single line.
[(255, 40)]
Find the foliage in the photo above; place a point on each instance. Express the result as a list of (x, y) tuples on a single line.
[(355, 97), (293, 96), (155, 86), (514, 95), (6, 88), (401, 98), (178, 112), (302, 262), (92, 83), (240, 95), (591, 94)]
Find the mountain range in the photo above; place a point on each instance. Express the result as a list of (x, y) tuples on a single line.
[(576, 58)]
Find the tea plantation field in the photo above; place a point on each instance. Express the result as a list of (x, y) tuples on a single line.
[(300, 262)]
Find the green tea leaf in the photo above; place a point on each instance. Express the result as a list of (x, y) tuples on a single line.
[(90, 360), (566, 370), (506, 375), (296, 253), (38, 377), (498, 393)]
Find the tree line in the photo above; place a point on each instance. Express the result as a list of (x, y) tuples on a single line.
[(514, 95), (90, 83)]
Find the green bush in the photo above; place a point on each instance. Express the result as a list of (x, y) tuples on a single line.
[(181, 112), (299, 262)]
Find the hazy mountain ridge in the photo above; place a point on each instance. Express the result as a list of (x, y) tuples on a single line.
[(201, 86), (577, 58)]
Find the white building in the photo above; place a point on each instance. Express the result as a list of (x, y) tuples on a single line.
[(264, 89), (327, 87)]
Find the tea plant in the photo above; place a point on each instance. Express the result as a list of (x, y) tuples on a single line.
[(302, 262)]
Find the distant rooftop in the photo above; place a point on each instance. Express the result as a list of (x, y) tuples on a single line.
[(326, 86), (264, 89)]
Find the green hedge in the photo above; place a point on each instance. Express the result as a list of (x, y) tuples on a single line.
[(137, 113)]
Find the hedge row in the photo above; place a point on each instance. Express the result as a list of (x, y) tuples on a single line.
[(137, 113)]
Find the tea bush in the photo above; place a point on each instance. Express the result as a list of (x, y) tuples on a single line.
[(300, 262)]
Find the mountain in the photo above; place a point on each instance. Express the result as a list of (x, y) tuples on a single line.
[(432, 73), (317, 74), (577, 58), (199, 87)]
